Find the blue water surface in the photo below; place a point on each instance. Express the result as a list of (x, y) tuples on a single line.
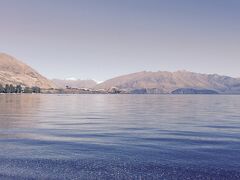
[(119, 136)]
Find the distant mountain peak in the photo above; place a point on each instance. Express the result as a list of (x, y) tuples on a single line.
[(75, 83), (71, 79)]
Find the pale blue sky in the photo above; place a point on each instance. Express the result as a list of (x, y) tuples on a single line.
[(100, 39)]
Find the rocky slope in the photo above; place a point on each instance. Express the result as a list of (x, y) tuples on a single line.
[(13, 71), (167, 82)]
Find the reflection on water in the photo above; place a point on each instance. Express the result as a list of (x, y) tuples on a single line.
[(18, 110), (120, 136)]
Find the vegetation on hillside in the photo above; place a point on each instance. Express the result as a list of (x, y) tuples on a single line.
[(18, 89)]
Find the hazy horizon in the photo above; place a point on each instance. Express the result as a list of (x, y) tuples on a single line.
[(102, 39)]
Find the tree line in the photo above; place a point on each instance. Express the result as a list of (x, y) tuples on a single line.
[(18, 89)]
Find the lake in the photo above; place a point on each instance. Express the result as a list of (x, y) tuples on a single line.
[(119, 136)]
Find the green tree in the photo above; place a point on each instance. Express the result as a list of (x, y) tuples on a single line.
[(36, 89), (7, 89), (18, 89), (12, 88), (1, 88)]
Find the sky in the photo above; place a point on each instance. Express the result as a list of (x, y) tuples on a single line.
[(101, 39)]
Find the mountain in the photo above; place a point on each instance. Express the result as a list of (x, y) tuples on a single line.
[(168, 82), (75, 83), (193, 91), (13, 71)]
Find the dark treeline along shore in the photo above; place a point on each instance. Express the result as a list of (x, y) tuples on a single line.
[(18, 89), (116, 90)]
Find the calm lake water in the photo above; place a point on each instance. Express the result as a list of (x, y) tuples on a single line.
[(119, 137)]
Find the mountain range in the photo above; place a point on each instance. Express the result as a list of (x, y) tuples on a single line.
[(78, 83), (167, 82), (13, 71)]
